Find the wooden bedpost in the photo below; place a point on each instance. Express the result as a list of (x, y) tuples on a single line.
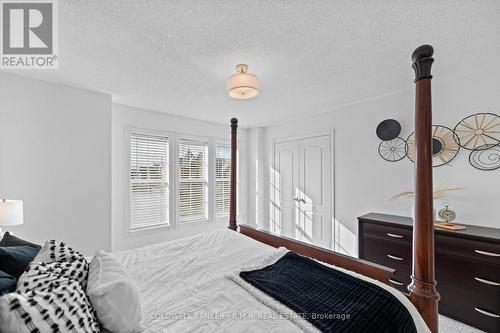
[(423, 293), (232, 200)]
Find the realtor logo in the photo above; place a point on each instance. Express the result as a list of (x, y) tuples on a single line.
[(29, 34)]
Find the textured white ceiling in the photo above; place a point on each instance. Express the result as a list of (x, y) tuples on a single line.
[(312, 56)]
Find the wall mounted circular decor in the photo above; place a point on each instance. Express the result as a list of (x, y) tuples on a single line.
[(486, 157), (388, 129), (478, 130), (444, 145), (392, 150)]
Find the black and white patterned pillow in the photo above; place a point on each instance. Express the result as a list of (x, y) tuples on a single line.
[(53, 251), (50, 296), (47, 275), (61, 308)]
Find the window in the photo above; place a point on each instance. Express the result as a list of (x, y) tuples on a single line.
[(193, 180), (222, 179), (149, 188)]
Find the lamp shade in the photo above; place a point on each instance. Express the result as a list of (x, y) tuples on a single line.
[(242, 85), (11, 212)]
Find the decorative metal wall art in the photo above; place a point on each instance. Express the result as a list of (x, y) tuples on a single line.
[(392, 150), (479, 133), (444, 145), (388, 129), (486, 157), (478, 130)]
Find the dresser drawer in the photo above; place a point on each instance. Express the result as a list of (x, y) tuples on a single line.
[(477, 282), (386, 232), (475, 250), (390, 254), (462, 307)]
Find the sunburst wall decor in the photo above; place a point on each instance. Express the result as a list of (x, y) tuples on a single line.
[(444, 145), (478, 131)]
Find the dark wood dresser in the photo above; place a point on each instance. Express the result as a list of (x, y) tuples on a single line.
[(467, 265)]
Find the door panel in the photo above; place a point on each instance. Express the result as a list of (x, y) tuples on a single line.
[(284, 180), (315, 190)]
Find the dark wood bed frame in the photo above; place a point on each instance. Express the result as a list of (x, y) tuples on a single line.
[(422, 290)]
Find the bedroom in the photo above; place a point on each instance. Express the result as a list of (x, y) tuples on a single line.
[(138, 75)]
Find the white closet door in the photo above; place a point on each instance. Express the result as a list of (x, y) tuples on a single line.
[(301, 190), (284, 182), (313, 210)]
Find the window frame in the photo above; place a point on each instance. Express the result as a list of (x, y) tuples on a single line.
[(146, 132), (223, 144), (173, 180), (208, 180)]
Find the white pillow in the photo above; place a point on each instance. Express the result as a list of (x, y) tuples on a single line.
[(113, 294)]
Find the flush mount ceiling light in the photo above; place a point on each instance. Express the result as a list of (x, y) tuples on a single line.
[(242, 85)]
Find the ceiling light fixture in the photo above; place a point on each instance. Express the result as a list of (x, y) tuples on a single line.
[(242, 85)]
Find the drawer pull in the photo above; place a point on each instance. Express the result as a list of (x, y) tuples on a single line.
[(486, 253), (394, 235), (396, 282), (487, 313), (487, 281), (394, 257)]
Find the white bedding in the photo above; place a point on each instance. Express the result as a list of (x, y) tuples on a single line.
[(184, 286)]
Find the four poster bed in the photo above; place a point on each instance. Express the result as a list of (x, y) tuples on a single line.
[(422, 290), (228, 281), (255, 281)]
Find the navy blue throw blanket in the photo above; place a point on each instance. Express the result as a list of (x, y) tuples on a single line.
[(331, 300)]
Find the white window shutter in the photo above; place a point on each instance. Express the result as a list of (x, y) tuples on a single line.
[(193, 180), (149, 188), (222, 179)]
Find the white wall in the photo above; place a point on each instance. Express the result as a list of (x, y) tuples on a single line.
[(365, 183), (59, 144), (125, 118), (55, 155)]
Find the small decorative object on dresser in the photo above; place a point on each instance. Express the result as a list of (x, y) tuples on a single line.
[(448, 215), (467, 265)]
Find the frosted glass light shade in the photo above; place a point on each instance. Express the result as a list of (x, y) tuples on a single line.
[(11, 212), (242, 85)]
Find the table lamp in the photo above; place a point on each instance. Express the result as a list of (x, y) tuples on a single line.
[(11, 213)]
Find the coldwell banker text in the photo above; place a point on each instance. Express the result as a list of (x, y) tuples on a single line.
[(29, 34)]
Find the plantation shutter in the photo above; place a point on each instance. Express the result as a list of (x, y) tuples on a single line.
[(222, 178), (193, 184), (149, 188)]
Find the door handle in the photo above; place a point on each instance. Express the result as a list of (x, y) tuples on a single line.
[(394, 235)]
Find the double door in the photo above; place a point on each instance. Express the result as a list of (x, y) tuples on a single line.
[(302, 189)]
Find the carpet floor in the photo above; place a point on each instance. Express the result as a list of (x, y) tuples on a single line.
[(448, 325)]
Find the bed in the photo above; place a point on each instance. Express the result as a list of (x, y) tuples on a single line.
[(228, 280), (186, 286)]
